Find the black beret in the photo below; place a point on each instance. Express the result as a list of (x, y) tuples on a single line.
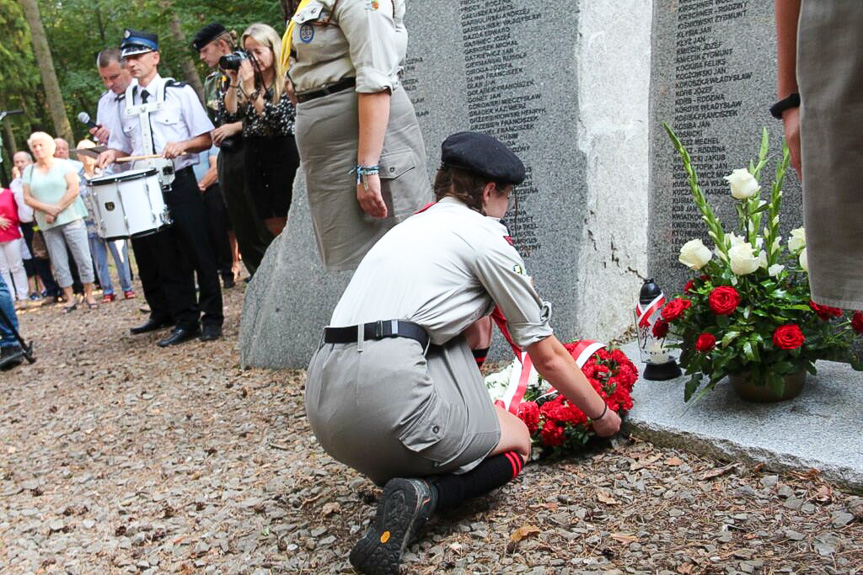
[(207, 34), (484, 155)]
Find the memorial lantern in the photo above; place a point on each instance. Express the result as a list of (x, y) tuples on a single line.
[(661, 364)]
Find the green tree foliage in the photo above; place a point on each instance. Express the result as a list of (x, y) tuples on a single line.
[(78, 29)]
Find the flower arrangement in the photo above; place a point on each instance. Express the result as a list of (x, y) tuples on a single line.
[(557, 426), (748, 307)]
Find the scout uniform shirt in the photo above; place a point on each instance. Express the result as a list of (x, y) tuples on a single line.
[(337, 39), (444, 269), (181, 118)]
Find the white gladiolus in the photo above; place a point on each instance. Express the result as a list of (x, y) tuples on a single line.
[(734, 239), (797, 241), (804, 261), (695, 254), (775, 270), (762, 259), (743, 261), (743, 184)]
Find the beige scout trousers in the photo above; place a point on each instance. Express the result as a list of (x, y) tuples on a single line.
[(389, 411), (830, 77), (327, 132)]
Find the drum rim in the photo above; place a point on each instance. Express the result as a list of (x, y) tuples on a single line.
[(123, 176)]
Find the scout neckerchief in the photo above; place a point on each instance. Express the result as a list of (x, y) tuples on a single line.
[(288, 38)]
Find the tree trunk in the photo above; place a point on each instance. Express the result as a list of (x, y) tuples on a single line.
[(62, 128), (189, 69), (9, 139)]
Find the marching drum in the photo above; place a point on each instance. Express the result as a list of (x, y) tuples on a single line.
[(129, 204)]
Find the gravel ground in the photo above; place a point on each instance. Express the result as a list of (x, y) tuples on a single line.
[(119, 457)]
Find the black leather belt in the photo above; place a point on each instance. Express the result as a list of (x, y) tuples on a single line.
[(327, 90), (377, 330)]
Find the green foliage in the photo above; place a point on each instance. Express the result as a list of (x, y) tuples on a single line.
[(774, 295), (78, 29)]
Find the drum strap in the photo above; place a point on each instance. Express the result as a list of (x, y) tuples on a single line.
[(144, 109)]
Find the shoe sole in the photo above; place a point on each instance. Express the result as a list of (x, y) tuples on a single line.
[(380, 550)]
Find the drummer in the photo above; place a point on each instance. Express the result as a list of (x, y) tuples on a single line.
[(163, 116)]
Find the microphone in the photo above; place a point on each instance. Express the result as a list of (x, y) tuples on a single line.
[(84, 118)]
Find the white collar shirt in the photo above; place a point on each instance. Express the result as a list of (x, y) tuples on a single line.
[(443, 269), (182, 117)]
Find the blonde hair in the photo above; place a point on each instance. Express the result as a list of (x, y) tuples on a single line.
[(51, 144), (267, 36)]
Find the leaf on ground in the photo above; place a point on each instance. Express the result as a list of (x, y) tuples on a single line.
[(605, 497), (673, 461), (624, 538), (686, 569), (636, 465), (716, 472), (331, 507), (524, 532), (823, 495)]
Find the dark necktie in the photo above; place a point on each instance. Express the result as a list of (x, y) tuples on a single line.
[(144, 95)]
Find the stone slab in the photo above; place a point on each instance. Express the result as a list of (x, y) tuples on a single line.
[(821, 428), (565, 84), (713, 79)]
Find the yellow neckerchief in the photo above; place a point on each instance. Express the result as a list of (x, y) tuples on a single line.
[(287, 39)]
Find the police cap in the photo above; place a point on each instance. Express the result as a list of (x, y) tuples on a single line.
[(138, 42), (484, 155), (207, 34)]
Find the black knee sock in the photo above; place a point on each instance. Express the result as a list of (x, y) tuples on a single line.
[(479, 355), (494, 472)]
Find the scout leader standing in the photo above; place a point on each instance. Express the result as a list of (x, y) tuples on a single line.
[(162, 116)]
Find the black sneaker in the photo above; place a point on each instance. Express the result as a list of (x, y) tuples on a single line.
[(10, 356), (404, 508)]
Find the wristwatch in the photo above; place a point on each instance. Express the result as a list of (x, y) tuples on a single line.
[(792, 101)]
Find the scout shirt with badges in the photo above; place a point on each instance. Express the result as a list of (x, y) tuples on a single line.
[(175, 115), (444, 269), (337, 39), (389, 408)]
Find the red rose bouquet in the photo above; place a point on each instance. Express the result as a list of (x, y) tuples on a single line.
[(748, 306), (556, 425)]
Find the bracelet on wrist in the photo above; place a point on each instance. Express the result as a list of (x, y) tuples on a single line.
[(601, 415), (363, 171)]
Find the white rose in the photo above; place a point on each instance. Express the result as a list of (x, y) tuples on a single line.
[(695, 254), (775, 270), (797, 241), (804, 260), (743, 184), (743, 261)]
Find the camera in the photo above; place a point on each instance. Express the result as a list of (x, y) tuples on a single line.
[(232, 61)]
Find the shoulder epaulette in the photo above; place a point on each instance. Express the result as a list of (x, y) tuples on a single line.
[(171, 83)]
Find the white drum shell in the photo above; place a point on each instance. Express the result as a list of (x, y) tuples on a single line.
[(131, 207)]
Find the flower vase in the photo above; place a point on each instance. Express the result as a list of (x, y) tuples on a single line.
[(749, 389)]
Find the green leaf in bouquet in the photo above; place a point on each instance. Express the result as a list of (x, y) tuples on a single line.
[(776, 383), (723, 321), (784, 367), (692, 385), (751, 352), (729, 337), (758, 209)]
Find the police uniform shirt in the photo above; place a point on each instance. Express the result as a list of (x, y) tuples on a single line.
[(109, 111), (181, 118), (365, 39), (444, 269)]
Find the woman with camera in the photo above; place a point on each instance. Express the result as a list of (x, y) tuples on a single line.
[(258, 95), (358, 136)]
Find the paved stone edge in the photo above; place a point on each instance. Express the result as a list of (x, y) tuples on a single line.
[(731, 451)]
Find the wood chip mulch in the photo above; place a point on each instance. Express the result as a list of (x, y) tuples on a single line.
[(120, 457)]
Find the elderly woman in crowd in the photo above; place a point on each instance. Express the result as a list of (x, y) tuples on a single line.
[(51, 189)]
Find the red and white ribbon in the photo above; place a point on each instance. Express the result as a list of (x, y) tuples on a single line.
[(527, 376), (644, 313)]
